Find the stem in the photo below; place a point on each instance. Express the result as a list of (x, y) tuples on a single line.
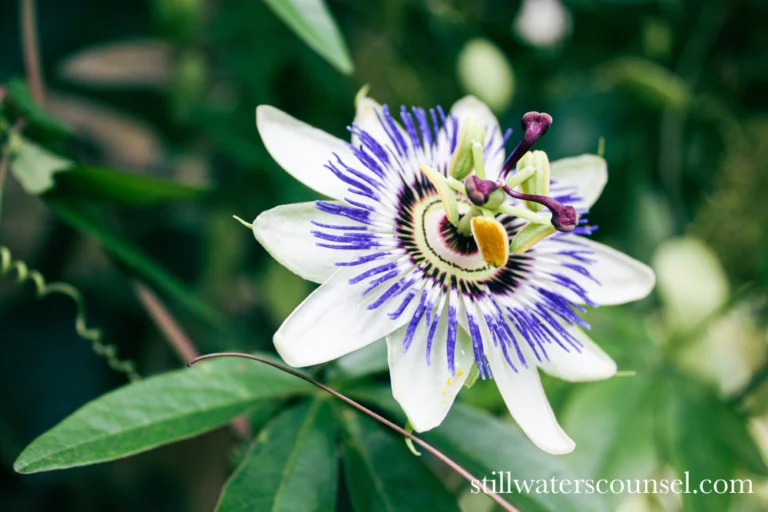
[(520, 176), (428, 447), (524, 213), (457, 185), (178, 340), (31, 51), (5, 158)]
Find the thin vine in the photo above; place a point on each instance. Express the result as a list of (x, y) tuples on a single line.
[(43, 289)]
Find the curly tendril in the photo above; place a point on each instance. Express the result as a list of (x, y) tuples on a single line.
[(43, 289)]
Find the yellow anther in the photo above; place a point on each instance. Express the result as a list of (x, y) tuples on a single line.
[(492, 240), (445, 192)]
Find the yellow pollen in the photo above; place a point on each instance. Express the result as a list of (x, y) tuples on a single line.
[(449, 381), (492, 240), (459, 373)]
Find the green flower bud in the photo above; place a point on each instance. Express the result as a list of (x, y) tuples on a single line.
[(538, 184), (463, 161)]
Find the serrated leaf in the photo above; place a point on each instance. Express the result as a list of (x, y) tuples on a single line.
[(313, 23), (133, 258), (383, 475), (291, 465), (34, 166), (120, 188), (483, 443), (155, 411)]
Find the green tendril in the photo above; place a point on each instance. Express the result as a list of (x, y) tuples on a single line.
[(43, 289), (409, 441)]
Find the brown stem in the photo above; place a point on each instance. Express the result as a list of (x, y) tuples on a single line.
[(428, 447), (31, 51), (178, 340), (5, 158)]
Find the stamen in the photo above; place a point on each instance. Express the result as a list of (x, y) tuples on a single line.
[(463, 161), (444, 191), (529, 236), (479, 159), (492, 240), (535, 125), (538, 184)]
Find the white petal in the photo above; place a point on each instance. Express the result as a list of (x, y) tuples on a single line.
[(426, 393), (619, 278), (526, 401), (622, 278), (286, 234), (367, 118), (585, 176), (334, 321), (303, 150), (471, 107), (589, 364)]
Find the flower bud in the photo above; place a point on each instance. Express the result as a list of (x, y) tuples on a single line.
[(463, 161), (538, 184)]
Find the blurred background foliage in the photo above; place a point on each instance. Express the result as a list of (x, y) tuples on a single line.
[(150, 111)]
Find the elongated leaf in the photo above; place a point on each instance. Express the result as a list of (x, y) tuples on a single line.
[(156, 411), (291, 466), (120, 188), (381, 473), (612, 423), (312, 22), (133, 258), (21, 105), (484, 444)]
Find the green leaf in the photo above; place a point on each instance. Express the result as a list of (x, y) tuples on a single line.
[(291, 465), (156, 411), (612, 423), (34, 166), (483, 443), (383, 475), (120, 188), (650, 81), (313, 23), (698, 447), (134, 258), (21, 105)]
